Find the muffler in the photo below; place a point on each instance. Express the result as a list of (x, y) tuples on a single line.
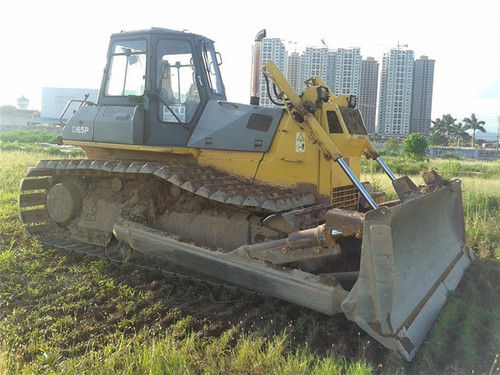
[(255, 78)]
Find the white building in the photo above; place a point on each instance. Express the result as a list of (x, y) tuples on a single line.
[(54, 100), (314, 62), (395, 93), (421, 107), (340, 69), (347, 72), (293, 72), (367, 102), (272, 49)]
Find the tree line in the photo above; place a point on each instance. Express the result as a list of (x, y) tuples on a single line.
[(446, 131)]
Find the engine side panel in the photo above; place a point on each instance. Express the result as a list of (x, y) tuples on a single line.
[(80, 126), (113, 124), (236, 127), (119, 124)]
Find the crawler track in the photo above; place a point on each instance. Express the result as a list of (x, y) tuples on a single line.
[(223, 189)]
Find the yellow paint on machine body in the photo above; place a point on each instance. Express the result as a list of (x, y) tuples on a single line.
[(292, 160)]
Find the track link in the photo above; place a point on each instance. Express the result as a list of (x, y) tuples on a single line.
[(206, 182)]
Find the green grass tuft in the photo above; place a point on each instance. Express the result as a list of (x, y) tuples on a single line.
[(466, 334), (401, 165), (29, 136)]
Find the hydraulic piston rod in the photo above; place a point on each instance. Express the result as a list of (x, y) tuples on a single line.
[(386, 168), (357, 183)]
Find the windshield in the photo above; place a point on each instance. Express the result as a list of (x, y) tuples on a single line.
[(212, 67), (177, 81), (127, 72)]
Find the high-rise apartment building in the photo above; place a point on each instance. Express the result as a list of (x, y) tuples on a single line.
[(293, 73), (346, 72), (313, 62), (405, 93), (423, 79), (272, 49), (331, 61), (340, 69), (367, 101), (395, 93)]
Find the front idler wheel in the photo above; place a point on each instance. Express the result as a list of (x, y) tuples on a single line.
[(64, 202)]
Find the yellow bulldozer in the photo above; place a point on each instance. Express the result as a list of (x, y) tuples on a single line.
[(268, 199)]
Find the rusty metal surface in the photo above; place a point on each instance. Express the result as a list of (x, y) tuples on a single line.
[(412, 255), (345, 197), (347, 222), (302, 218), (300, 246), (302, 288), (405, 188)]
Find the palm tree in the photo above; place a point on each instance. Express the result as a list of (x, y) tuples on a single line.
[(443, 126), (437, 127), (473, 124), (458, 132)]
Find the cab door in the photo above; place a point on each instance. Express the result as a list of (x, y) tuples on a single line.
[(119, 116), (178, 96)]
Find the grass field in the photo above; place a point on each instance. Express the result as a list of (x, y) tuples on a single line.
[(64, 313), (29, 136), (36, 141), (481, 194)]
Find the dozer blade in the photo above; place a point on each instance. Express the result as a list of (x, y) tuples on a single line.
[(412, 255)]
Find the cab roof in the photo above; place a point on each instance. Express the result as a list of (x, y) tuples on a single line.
[(159, 31)]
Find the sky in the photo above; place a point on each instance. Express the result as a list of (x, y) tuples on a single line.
[(64, 43)]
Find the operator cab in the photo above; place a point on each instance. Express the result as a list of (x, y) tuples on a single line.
[(163, 87), (171, 73)]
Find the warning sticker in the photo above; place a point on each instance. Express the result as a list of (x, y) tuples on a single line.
[(300, 144)]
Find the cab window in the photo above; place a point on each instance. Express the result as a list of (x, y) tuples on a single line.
[(127, 68), (176, 81), (212, 68)]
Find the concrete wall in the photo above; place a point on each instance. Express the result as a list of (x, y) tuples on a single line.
[(472, 153)]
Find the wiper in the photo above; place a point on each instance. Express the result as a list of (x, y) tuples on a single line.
[(156, 95)]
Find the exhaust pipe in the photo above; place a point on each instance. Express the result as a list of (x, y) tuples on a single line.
[(254, 85)]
